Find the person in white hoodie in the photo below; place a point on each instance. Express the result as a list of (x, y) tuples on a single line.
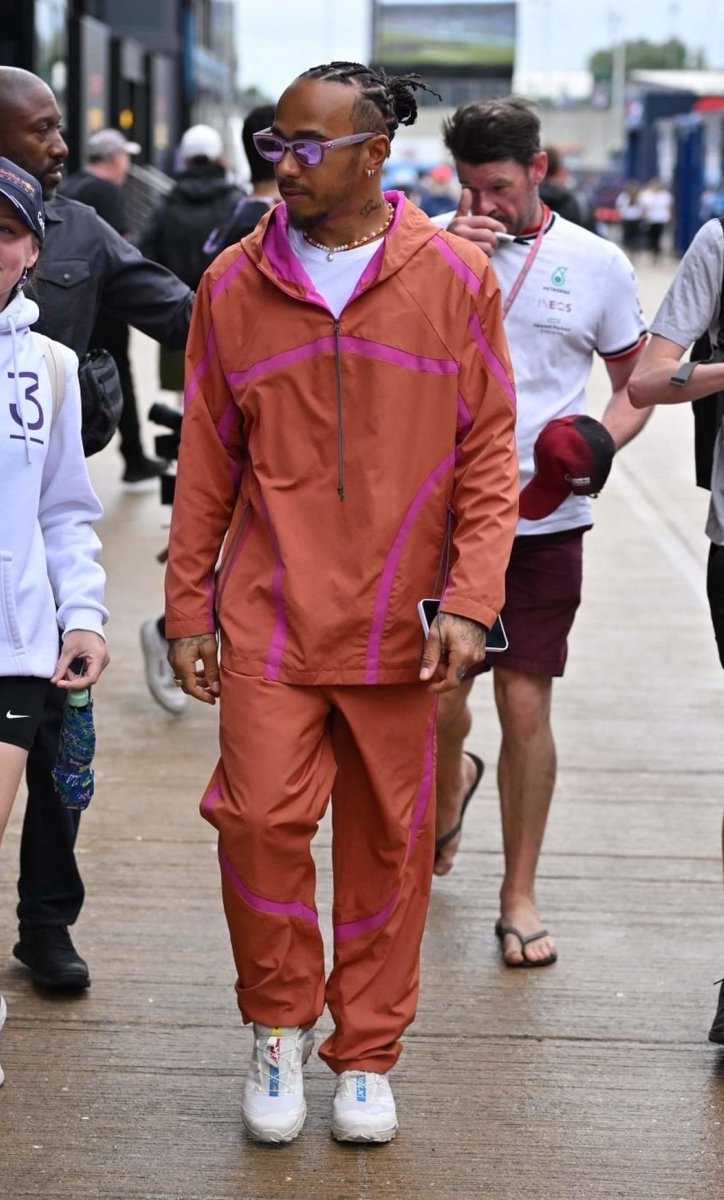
[(51, 584)]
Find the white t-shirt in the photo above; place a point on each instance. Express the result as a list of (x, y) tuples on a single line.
[(656, 204), (335, 280), (580, 297), (628, 207)]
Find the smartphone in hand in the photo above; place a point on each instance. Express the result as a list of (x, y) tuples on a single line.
[(496, 638)]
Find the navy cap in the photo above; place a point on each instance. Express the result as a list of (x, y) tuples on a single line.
[(25, 194)]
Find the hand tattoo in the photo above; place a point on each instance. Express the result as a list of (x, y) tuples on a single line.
[(466, 632)]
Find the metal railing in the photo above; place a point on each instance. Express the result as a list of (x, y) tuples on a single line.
[(144, 188)]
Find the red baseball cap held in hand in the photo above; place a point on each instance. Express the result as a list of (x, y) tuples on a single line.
[(572, 454)]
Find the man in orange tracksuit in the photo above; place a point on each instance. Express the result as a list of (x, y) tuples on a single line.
[(348, 437)]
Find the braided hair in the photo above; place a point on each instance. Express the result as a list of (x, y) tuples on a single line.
[(384, 101)]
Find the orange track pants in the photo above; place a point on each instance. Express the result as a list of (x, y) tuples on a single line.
[(284, 749)]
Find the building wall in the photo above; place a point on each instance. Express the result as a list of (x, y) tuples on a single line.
[(586, 136), (187, 48)]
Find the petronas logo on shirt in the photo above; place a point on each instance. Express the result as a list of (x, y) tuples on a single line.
[(558, 278)]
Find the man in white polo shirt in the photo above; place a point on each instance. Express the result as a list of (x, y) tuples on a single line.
[(568, 295)]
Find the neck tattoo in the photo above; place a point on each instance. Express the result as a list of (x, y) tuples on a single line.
[(330, 251)]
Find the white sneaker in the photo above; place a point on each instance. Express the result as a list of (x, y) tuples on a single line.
[(273, 1106), (3, 1014), (364, 1108), (159, 675)]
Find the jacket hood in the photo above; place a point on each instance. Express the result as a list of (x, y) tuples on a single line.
[(268, 246), (21, 312), (198, 187), (553, 191)]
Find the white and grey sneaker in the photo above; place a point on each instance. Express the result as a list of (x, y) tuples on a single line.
[(159, 675), (364, 1108), (273, 1107), (3, 1014)]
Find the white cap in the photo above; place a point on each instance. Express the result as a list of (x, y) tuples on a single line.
[(201, 141)]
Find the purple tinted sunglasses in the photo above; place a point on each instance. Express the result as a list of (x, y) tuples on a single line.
[(307, 151)]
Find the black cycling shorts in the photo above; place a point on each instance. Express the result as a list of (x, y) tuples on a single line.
[(22, 700), (715, 592)]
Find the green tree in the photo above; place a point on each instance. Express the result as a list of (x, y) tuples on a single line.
[(252, 97), (647, 56)]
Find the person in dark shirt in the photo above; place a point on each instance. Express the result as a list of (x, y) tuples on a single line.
[(175, 236), (201, 198), (100, 184), (556, 192), (264, 192), (85, 264), (164, 241)]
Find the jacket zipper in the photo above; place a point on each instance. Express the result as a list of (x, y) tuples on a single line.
[(340, 413)]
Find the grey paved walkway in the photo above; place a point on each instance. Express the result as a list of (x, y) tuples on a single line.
[(590, 1081)]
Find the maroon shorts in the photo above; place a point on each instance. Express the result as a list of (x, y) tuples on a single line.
[(542, 593)]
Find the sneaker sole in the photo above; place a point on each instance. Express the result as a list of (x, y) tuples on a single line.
[(363, 1135)]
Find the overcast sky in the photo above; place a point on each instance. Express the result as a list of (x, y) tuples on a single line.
[(283, 37)]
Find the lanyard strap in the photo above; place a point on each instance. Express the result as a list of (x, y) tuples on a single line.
[(521, 277)]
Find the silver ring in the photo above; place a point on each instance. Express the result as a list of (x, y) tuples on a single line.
[(178, 682)]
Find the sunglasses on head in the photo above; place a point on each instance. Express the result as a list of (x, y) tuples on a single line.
[(307, 151)]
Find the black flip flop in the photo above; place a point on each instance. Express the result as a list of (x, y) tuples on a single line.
[(443, 841), (501, 931)]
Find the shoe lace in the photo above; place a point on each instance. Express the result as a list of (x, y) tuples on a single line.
[(280, 1056), (370, 1086)]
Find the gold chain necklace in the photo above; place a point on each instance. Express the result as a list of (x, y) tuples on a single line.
[(330, 251)]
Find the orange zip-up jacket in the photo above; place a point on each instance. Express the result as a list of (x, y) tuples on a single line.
[(350, 467)]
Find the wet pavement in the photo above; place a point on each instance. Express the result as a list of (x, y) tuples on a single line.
[(591, 1080)]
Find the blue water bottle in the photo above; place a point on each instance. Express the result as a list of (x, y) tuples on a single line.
[(73, 773)]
